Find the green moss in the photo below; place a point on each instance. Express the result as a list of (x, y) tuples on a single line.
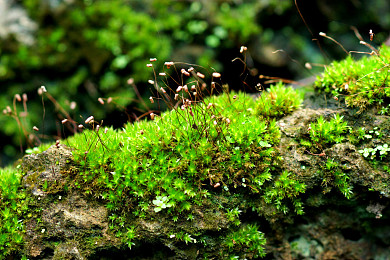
[(13, 206), (357, 135), (196, 168), (285, 186), (278, 101), (177, 153), (324, 133), (246, 242), (334, 175), (363, 83)]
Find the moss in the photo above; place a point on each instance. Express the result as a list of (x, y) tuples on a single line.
[(323, 133), (246, 242), (363, 83), (13, 209), (278, 101)]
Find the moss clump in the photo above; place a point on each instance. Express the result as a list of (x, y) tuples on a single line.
[(246, 242), (334, 175), (278, 101), (324, 133), (13, 207), (363, 83)]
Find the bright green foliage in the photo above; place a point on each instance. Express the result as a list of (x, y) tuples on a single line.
[(185, 237), (385, 110), (335, 176), (130, 236), (362, 134), (246, 242), (12, 207), (324, 133), (233, 216), (168, 160), (285, 186), (278, 101), (382, 150), (181, 160), (363, 82), (161, 203)]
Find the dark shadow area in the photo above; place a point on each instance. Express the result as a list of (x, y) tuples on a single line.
[(143, 252)]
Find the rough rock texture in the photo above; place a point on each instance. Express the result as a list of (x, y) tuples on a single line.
[(303, 163), (63, 221), (334, 227)]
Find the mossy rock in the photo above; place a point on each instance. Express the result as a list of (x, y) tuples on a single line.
[(215, 180)]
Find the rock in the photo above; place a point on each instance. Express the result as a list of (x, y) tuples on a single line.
[(67, 219), (48, 167)]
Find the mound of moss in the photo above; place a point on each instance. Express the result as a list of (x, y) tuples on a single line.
[(176, 166), (227, 177), (361, 83)]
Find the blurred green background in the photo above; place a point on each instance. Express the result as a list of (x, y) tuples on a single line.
[(81, 50)]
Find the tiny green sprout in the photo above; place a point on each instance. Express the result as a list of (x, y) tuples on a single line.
[(385, 110), (333, 174), (45, 185), (372, 152), (383, 149), (162, 202), (374, 131), (233, 216), (367, 151), (130, 236), (264, 144), (362, 133), (246, 241), (188, 239)]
